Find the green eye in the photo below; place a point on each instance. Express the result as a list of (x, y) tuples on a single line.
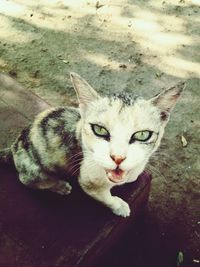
[(141, 136), (100, 131)]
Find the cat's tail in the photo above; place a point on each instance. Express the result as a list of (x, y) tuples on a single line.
[(6, 156)]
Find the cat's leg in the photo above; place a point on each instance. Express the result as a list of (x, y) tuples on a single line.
[(32, 175), (103, 194), (43, 181), (61, 187)]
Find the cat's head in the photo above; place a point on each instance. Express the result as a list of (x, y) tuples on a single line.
[(120, 132)]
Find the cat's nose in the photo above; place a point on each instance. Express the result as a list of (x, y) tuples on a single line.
[(117, 159)]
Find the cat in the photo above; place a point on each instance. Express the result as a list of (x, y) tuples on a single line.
[(106, 141)]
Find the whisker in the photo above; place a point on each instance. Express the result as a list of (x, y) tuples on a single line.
[(74, 166), (75, 155)]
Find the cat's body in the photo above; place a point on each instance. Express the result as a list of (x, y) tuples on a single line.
[(106, 142), (48, 147)]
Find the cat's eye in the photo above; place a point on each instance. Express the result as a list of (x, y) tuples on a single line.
[(100, 131), (141, 136)]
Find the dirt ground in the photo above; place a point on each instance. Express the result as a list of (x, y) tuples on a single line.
[(131, 45)]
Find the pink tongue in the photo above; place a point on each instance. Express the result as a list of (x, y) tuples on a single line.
[(115, 175)]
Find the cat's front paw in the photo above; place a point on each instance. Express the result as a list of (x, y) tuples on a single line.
[(120, 207)]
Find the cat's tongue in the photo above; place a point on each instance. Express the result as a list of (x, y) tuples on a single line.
[(116, 175)]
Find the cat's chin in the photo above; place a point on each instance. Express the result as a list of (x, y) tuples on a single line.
[(116, 176)]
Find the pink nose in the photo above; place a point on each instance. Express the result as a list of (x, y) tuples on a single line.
[(117, 159)]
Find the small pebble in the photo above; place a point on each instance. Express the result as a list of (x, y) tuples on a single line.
[(123, 66), (13, 73)]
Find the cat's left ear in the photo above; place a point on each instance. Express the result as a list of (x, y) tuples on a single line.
[(85, 93), (166, 100)]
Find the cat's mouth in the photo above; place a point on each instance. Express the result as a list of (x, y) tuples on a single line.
[(116, 175)]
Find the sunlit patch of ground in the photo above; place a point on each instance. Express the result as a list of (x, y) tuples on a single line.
[(151, 26)]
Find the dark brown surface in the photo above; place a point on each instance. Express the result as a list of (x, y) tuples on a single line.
[(40, 228)]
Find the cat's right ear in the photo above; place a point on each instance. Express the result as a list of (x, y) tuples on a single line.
[(85, 93)]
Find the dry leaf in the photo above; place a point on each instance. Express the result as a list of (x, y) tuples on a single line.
[(65, 61), (180, 258), (159, 74), (184, 141)]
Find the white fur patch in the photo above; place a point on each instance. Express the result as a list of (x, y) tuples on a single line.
[(121, 122)]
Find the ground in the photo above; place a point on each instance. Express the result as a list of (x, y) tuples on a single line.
[(141, 46)]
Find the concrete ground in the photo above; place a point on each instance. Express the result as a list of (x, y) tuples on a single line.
[(141, 46)]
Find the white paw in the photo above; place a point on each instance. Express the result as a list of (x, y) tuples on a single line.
[(120, 207), (68, 188), (62, 188), (65, 189)]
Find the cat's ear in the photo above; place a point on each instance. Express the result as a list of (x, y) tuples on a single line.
[(85, 93), (166, 100)]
